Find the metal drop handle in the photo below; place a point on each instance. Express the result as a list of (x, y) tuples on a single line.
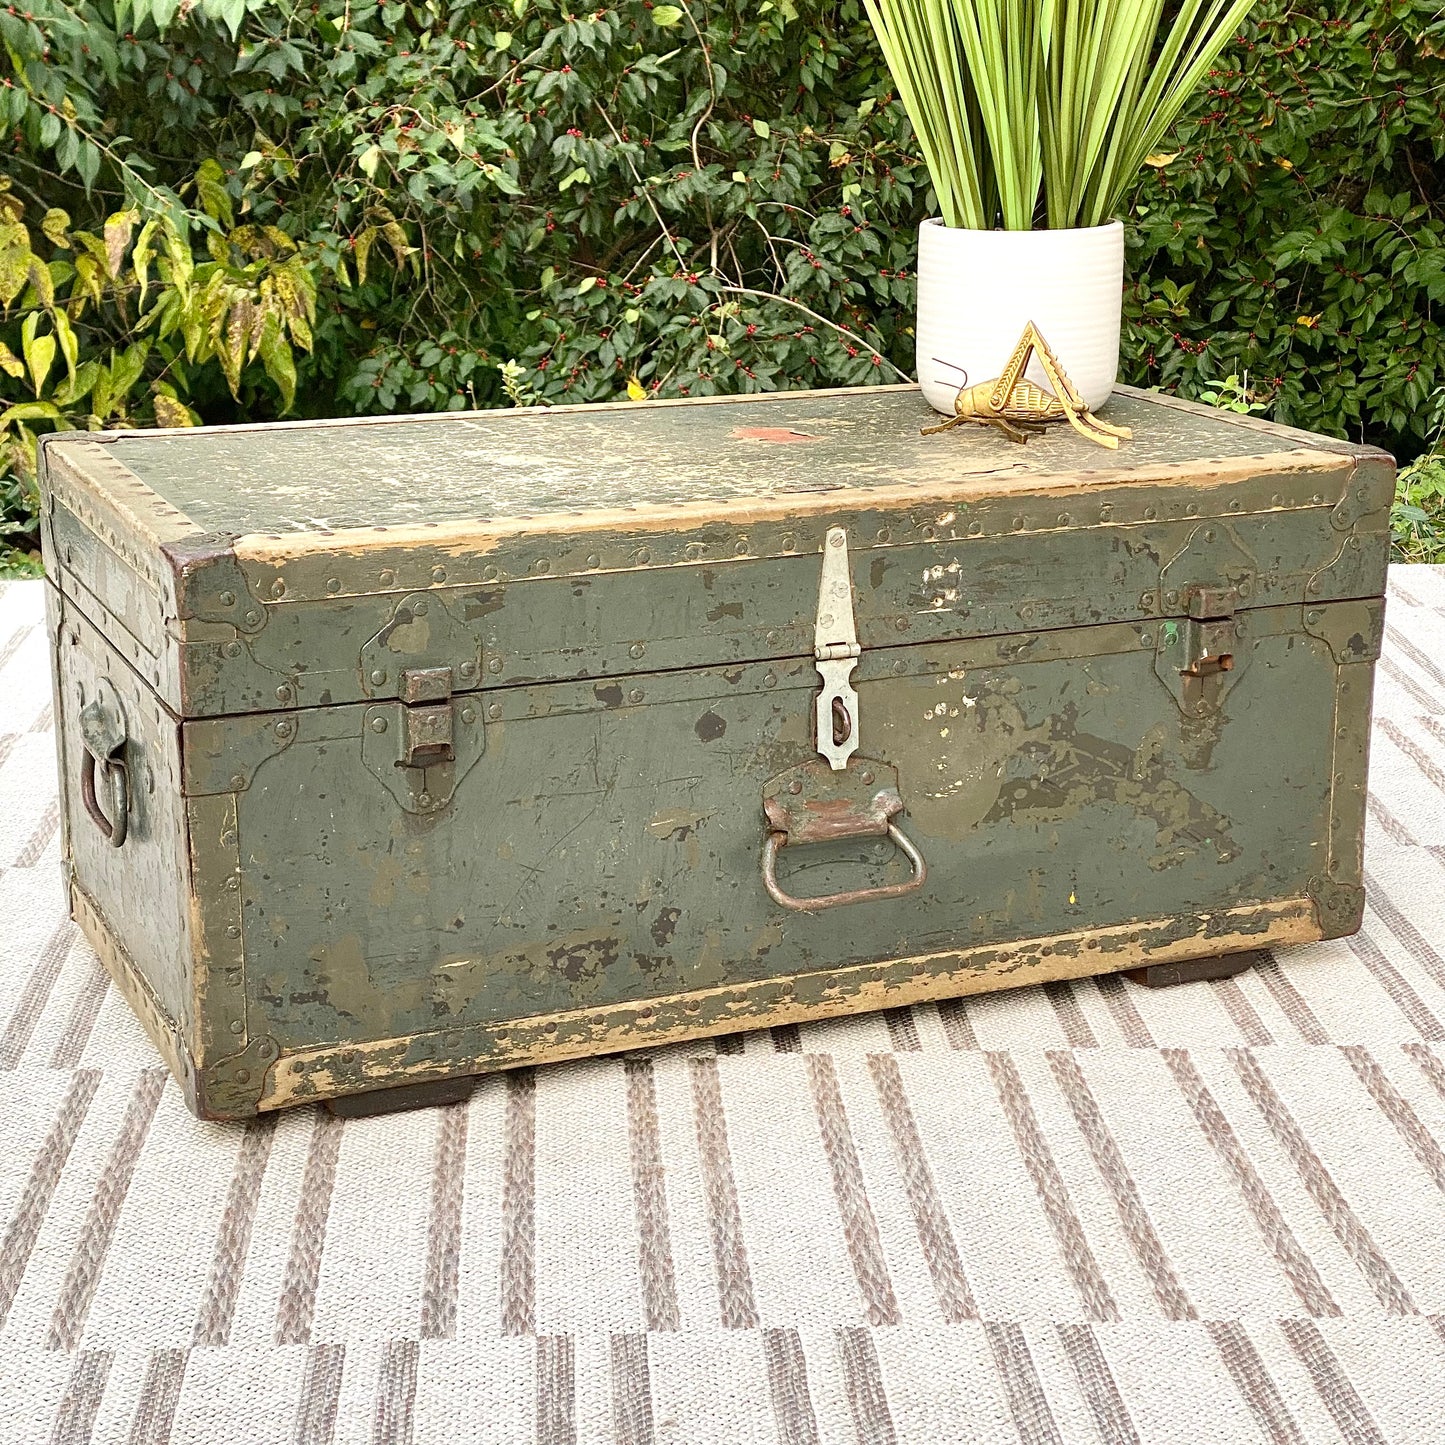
[(117, 794), (102, 740), (777, 841)]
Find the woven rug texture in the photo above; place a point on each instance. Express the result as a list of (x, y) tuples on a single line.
[(1077, 1213)]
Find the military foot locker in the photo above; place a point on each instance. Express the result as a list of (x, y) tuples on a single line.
[(394, 751)]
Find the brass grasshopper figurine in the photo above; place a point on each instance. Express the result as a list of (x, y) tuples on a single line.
[(1011, 403)]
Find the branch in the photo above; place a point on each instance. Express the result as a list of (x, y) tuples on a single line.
[(822, 321)]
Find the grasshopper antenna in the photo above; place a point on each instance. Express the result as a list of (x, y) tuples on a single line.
[(952, 367)]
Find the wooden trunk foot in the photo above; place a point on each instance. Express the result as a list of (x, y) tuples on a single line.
[(1191, 970), (405, 1096)]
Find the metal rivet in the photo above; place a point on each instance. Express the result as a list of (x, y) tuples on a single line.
[(884, 534), (419, 607), (1315, 587), (232, 649), (693, 551), (1027, 611), (644, 556), (1316, 499), (1234, 505), (424, 799), (237, 1027), (378, 677), (550, 1028), (1171, 597), (283, 693), (635, 695), (1146, 638), (866, 777), (1106, 511), (975, 529), (593, 560), (795, 786), (278, 588), (283, 728), (928, 532), (489, 574), (378, 724), (1277, 500), (644, 1013), (452, 1040), (438, 574), (469, 715), (494, 711), (1192, 510), (1063, 519), (741, 547), (542, 565), (636, 650), (1209, 534), (333, 584), (387, 576), (770, 637), (769, 680), (1146, 599), (1150, 513), (467, 669), (1313, 615), (901, 624), (238, 780), (1018, 524), (243, 1076), (900, 667), (233, 885), (228, 599), (495, 665), (252, 617), (228, 839), (233, 930), (790, 543)]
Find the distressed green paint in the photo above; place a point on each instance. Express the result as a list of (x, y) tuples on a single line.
[(624, 599)]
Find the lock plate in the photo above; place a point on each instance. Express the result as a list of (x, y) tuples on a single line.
[(424, 634), (421, 753)]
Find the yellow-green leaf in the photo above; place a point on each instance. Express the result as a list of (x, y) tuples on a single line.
[(10, 364), (635, 389), (39, 356), (170, 412), (55, 225), (666, 15), (762, 129), (68, 346), (363, 246), (15, 259), (280, 363), (369, 160)]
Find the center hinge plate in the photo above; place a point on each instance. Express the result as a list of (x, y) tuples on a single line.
[(835, 647)]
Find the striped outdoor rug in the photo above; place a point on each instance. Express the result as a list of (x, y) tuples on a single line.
[(1079, 1213)]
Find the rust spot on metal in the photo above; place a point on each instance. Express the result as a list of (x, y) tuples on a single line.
[(609, 695)]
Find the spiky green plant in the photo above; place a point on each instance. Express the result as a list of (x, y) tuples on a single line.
[(1010, 98)]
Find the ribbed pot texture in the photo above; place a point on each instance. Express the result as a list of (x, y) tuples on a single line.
[(977, 290)]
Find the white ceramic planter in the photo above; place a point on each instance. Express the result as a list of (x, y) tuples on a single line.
[(977, 290)]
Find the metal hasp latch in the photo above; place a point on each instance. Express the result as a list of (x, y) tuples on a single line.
[(1199, 650), (835, 646), (832, 799), (1199, 657), (421, 746), (426, 718)]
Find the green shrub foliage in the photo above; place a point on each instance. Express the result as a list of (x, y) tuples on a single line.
[(226, 209)]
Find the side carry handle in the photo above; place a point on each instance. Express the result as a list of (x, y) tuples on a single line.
[(103, 733)]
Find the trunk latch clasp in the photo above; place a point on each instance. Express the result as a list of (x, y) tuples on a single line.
[(835, 647)]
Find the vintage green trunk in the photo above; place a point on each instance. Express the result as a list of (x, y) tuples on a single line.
[(395, 751)]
